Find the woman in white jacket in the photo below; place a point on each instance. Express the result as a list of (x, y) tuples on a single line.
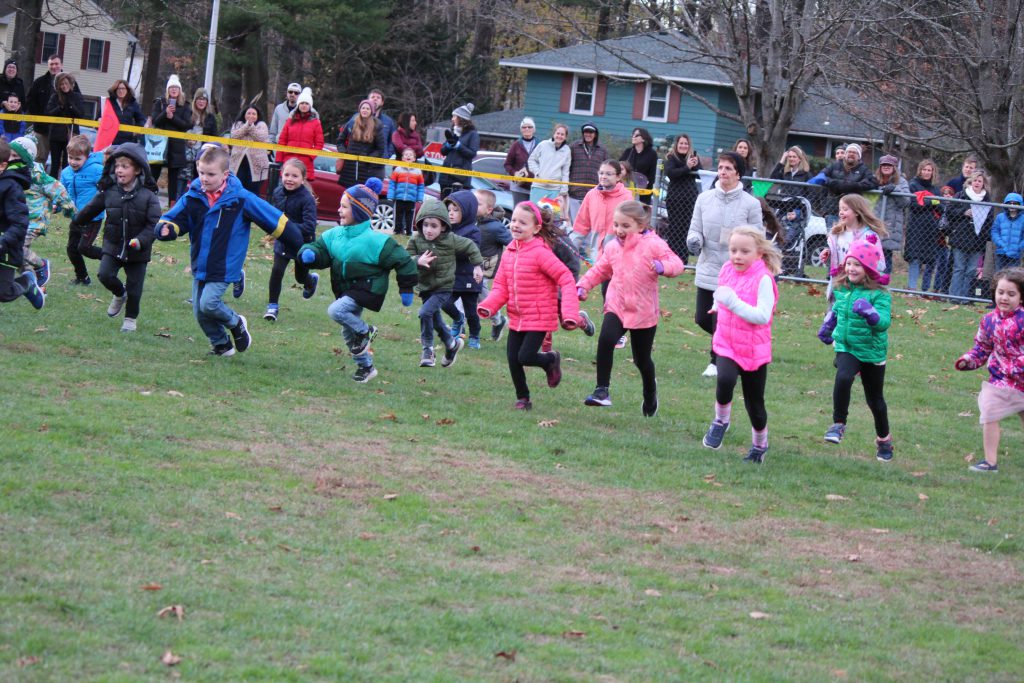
[(551, 160)]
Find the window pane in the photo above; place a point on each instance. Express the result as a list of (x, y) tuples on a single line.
[(51, 44), (659, 91), (655, 110), (95, 61), (584, 94)]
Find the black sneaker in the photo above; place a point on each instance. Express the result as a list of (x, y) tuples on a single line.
[(83, 281), (238, 289), (361, 343), (587, 324), (984, 466), (498, 327), (427, 358), (226, 349), (715, 435), (883, 450), (599, 397), (451, 353), (364, 374), (240, 333), (756, 455), (650, 405)]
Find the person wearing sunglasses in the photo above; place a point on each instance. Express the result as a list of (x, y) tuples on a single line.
[(284, 110)]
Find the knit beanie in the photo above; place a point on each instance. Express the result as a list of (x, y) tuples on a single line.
[(306, 96), (854, 147), (464, 112), (25, 147), (373, 107), (869, 254), (9, 62), (364, 199), (173, 81)]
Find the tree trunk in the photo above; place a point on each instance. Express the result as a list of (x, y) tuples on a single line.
[(149, 78), (24, 47), (481, 56)]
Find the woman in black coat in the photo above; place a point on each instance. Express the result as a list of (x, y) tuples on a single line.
[(793, 167), (10, 82), (172, 112), (922, 238), (362, 136), (642, 158), (129, 113), (65, 101), (681, 166)]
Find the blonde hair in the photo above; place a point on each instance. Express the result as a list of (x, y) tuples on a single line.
[(770, 253), (295, 162), (976, 174), (861, 207), (869, 282), (486, 198), (79, 145), (638, 211), (804, 165)]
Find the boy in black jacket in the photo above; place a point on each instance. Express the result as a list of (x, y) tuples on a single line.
[(14, 180)]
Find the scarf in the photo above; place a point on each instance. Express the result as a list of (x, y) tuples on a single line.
[(978, 213)]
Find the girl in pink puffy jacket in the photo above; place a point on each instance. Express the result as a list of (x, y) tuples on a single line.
[(633, 262), (744, 303), (527, 284)]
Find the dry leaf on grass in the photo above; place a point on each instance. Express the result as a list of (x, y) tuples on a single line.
[(232, 515), (918, 474), (922, 496), (170, 659), (853, 558), (991, 522), (547, 423), (969, 457), (653, 593), (287, 548), (573, 634), (172, 611), (175, 394), (475, 548), (388, 416), (966, 413), (671, 528), (759, 615), (390, 496), (709, 477), (275, 508), (879, 531), (835, 496), (151, 587), (367, 536), (44, 427), (445, 421), (28, 661), (510, 655)]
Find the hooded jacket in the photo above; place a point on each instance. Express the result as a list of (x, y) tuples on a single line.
[(840, 180), (131, 213), (1008, 233), (81, 184), (301, 130), (447, 247), (551, 163), (585, 162), (715, 214), (355, 172), (467, 227), (598, 209), (13, 215), (299, 205)]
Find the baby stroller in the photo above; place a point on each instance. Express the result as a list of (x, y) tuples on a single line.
[(793, 213)]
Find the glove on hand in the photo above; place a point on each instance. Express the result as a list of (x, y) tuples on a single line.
[(827, 327), (887, 189), (659, 267), (962, 363), (307, 256), (581, 294), (450, 136), (865, 310), (407, 298)]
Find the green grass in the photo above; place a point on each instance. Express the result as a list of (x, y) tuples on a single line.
[(317, 529)]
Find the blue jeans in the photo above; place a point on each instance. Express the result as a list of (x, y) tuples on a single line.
[(212, 314), (345, 311), (942, 270), (965, 265), (914, 272), (430, 319), (1003, 262)]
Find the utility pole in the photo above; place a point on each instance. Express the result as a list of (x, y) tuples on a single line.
[(211, 48)]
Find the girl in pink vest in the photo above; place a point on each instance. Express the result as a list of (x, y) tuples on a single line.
[(744, 302), (633, 261)]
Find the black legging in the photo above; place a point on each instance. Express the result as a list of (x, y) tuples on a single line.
[(80, 243), (706, 321), (640, 341), (405, 217), (277, 275), (872, 376), (135, 277), (753, 382), (469, 301), (524, 349)]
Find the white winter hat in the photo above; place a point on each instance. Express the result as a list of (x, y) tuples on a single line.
[(26, 143), (855, 148), (464, 111), (305, 96), (174, 81)]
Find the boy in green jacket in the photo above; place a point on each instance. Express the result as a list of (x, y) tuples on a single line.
[(436, 249)]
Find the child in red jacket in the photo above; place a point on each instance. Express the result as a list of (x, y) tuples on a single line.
[(527, 283)]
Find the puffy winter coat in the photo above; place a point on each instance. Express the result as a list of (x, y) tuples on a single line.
[(853, 335), (301, 130), (597, 211), (552, 163), (1000, 341), (354, 172), (715, 215), (447, 248), (129, 115), (13, 215), (1008, 233), (181, 122), (360, 260), (961, 229), (81, 184), (633, 290), (527, 284), (516, 159), (841, 180), (299, 205), (895, 215), (406, 185), (748, 344), (70, 105), (460, 155), (922, 239), (467, 227), (259, 163)]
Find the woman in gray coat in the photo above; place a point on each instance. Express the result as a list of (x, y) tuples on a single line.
[(894, 213), (716, 213)]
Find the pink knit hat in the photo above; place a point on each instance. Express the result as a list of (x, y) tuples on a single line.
[(869, 254)]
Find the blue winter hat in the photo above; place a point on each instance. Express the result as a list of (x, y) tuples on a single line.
[(1013, 197), (365, 198)]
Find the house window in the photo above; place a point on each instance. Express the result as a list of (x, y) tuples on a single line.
[(94, 54), (51, 46), (656, 108), (583, 88), (92, 110)]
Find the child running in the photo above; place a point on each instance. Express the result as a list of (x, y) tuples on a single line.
[(128, 194), (462, 209), (360, 258), (593, 224), (79, 178), (745, 304), (494, 237), (43, 195), (294, 198), (13, 226), (856, 221), (1000, 342), (406, 190), (633, 262), (857, 326), (436, 250), (527, 283)]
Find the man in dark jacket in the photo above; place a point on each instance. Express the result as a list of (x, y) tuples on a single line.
[(849, 176), (969, 166), (38, 97), (587, 157)]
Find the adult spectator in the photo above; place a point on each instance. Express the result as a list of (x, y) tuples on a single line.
[(302, 129), (363, 136), (892, 208), (387, 123), (642, 158), (518, 156), (204, 122), (68, 103), (921, 246), (849, 176), (459, 149), (968, 231), (745, 149), (406, 136), (10, 81), (840, 152), (172, 112), (38, 98), (586, 156), (967, 169), (716, 213), (284, 110), (551, 161), (250, 164), (127, 109), (794, 167), (681, 165)]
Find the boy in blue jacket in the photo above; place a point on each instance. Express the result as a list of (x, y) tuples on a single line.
[(216, 213), (1008, 234), (79, 178)]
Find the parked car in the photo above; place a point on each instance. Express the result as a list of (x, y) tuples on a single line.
[(328, 194)]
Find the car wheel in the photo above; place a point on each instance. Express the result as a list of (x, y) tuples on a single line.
[(383, 218), (815, 246)]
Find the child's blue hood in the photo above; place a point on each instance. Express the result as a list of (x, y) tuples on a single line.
[(466, 201), (1013, 197)]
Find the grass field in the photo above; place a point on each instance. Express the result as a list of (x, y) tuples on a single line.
[(416, 528)]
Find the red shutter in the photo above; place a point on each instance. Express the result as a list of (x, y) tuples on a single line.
[(639, 97), (85, 54), (566, 94), (600, 96), (60, 47), (39, 48), (673, 104), (106, 55)]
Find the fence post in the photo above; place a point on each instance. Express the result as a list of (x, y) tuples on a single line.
[(656, 197)]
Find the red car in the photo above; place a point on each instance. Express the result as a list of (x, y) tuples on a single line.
[(328, 195)]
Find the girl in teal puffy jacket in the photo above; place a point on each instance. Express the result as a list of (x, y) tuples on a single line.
[(857, 325)]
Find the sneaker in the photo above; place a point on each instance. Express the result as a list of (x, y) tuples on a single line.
[(649, 407), (554, 371), (238, 289), (364, 374), (310, 289), (362, 343), (84, 281), (497, 328), (545, 346), (457, 327), (621, 344), (116, 304), (427, 358), (588, 325), (35, 295), (599, 397), (473, 342), (43, 273), (240, 333), (756, 455), (984, 466), (523, 404), (710, 371), (450, 354), (128, 325), (716, 433), (835, 433), (883, 450), (271, 313), (226, 349)]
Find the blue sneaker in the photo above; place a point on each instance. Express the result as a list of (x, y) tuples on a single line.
[(756, 455), (599, 397), (310, 289), (983, 466), (43, 273), (457, 327), (33, 293), (715, 435), (473, 342), (586, 324), (883, 450), (271, 314), (239, 287), (835, 433)]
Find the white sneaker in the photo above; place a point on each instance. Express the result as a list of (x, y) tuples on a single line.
[(116, 304), (710, 371), (128, 325)]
